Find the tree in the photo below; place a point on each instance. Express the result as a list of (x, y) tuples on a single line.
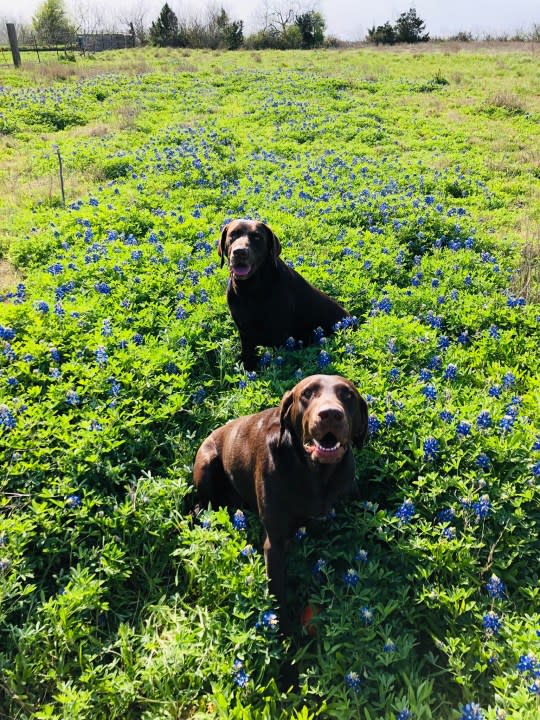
[(384, 34), (51, 23), (410, 28), (311, 25), (164, 31)]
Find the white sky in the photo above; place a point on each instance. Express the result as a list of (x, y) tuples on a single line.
[(348, 19)]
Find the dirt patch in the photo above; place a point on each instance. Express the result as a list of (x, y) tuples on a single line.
[(9, 277)]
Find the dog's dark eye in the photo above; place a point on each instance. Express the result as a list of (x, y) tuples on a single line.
[(346, 394), (307, 393), (254, 236)]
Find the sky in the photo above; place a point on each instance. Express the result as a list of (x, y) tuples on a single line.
[(346, 19)]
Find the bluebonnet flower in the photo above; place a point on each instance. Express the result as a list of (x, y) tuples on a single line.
[(6, 333), (240, 677), (351, 578), (353, 681), (12, 382), (42, 306), (494, 391), (536, 445), (385, 305), (472, 711), (73, 501), (247, 551), (101, 356), (103, 288), (55, 269), (266, 359), (55, 374), (55, 355), (324, 359), (526, 663), (463, 337), (451, 372), (301, 533), (463, 428), (431, 448), (495, 587), (393, 374), (536, 469), (366, 615), (389, 647), (483, 461), (508, 380), (449, 533), (492, 623), (137, 339), (405, 511), (484, 420), (239, 520), (446, 515), (95, 426), (435, 363), (425, 374), (404, 715), (318, 568), (429, 392), (444, 342), (507, 422), (389, 419), (114, 390), (482, 507), (72, 397), (270, 620), (106, 328), (361, 556), (290, 343), (493, 332), (7, 418), (373, 424), (136, 254)]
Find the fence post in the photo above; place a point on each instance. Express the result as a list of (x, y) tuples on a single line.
[(12, 35)]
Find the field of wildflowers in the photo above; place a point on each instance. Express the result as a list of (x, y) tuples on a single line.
[(400, 184)]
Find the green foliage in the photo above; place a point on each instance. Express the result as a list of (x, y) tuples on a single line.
[(118, 356), (311, 25)]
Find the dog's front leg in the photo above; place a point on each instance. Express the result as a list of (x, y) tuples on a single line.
[(274, 557), (249, 354)]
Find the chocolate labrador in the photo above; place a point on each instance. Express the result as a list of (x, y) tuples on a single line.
[(288, 464), (269, 301)]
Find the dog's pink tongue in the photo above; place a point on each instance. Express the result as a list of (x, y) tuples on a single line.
[(241, 270)]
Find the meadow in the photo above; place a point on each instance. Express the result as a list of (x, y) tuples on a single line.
[(402, 182)]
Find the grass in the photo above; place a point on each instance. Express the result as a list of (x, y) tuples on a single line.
[(403, 183)]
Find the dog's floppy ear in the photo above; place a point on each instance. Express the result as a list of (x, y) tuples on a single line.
[(285, 414), (274, 246), (221, 244), (360, 423)]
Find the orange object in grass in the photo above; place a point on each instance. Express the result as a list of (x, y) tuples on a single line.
[(307, 616)]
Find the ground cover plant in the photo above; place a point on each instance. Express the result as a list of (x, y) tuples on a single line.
[(402, 184)]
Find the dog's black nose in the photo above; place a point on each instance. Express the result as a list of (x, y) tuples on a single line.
[(240, 252), (331, 413)]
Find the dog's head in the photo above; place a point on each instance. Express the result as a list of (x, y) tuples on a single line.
[(247, 244), (327, 415)]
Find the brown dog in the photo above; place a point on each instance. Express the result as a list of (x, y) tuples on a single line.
[(288, 463), (269, 301)]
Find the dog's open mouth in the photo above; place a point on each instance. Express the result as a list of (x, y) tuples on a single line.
[(326, 449), (241, 270)]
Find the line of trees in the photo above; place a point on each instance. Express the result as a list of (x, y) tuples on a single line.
[(408, 28)]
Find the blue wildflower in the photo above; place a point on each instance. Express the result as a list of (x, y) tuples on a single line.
[(7, 418), (451, 372), (72, 397), (373, 424), (270, 620), (247, 551), (446, 515), (366, 615), (324, 359), (42, 306), (361, 556), (73, 501), (449, 533), (492, 623), (494, 391), (509, 379), (389, 647), (536, 469), (429, 392), (483, 461), (353, 681), (495, 587), (405, 511), (463, 428), (507, 422), (240, 677), (101, 356), (526, 663), (351, 578), (431, 448), (404, 715), (103, 288), (472, 711), (482, 507), (484, 420), (393, 374), (239, 520), (425, 375)]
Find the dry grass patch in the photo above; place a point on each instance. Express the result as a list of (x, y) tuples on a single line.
[(9, 277)]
